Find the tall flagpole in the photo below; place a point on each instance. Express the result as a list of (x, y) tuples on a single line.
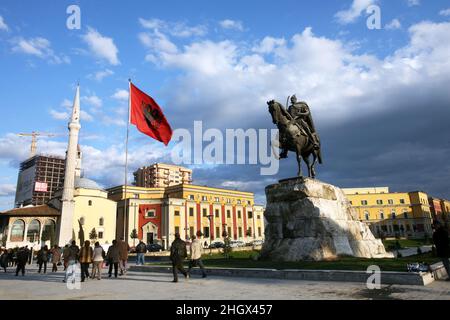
[(125, 210)]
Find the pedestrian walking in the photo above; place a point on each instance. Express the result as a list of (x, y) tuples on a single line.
[(66, 253), (86, 254), (4, 259), (72, 257), (97, 261), (178, 253), (196, 256), (440, 239), (21, 260), (124, 248), (141, 249), (113, 258), (56, 257), (42, 259)]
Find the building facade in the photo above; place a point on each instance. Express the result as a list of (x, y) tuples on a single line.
[(162, 175), (392, 214), (39, 178), (158, 213)]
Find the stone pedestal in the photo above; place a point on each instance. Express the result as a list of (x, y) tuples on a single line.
[(311, 220)]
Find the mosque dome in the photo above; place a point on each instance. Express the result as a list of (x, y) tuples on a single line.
[(85, 183)]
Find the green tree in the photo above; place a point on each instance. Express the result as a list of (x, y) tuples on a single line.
[(93, 235), (227, 247), (134, 235)]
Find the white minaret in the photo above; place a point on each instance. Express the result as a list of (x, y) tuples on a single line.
[(68, 203)]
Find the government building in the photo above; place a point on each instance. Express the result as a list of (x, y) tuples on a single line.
[(158, 213)]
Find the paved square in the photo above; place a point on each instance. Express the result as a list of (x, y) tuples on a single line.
[(154, 286)]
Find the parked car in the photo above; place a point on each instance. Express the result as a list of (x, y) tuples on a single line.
[(154, 247), (257, 242), (237, 243), (217, 244)]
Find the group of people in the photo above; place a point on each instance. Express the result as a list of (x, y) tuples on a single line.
[(178, 253)]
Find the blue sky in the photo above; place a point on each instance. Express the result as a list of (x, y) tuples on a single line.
[(199, 59)]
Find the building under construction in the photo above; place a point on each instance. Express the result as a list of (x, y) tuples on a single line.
[(39, 178)]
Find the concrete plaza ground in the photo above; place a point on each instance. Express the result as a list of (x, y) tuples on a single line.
[(153, 286)]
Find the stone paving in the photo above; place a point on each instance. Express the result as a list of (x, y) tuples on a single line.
[(153, 286)]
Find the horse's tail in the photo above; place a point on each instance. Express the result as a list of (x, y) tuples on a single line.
[(319, 156)]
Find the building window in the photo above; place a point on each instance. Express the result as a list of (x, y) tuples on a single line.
[(239, 201), (191, 212), (151, 213), (364, 202), (379, 201), (239, 214), (229, 232), (228, 214), (191, 197), (402, 201), (228, 200), (217, 213), (204, 198), (259, 232), (100, 234), (366, 215), (90, 202), (390, 201), (177, 213), (405, 214), (351, 203), (177, 230), (259, 217), (393, 214), (206, 232), (217, 199), (33, 231), (250, 214), (240, 232), (191, 231), (101, 221), (250, 231), (17, 231), (205, 212), (381, 215), (217, 232)]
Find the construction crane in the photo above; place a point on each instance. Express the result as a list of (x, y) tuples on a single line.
[(34, 136)]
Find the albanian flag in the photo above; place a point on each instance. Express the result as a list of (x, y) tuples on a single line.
[(147, 116)]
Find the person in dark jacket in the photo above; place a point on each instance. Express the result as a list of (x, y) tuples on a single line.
[(22, 259), (141, 249), (113, 258), (178, 253), (4, 260), (42, 259), (441, 241)]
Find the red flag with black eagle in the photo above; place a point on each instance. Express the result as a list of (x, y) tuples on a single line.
[(148, 117)]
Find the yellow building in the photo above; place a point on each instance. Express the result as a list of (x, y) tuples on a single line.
[(404, 214), (158, 213)]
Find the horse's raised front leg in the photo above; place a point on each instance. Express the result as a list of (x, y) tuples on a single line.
[(313, 170), (299, 162)]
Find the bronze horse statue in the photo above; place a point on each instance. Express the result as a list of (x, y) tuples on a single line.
[(294, 138)]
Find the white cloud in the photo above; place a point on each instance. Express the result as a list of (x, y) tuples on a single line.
[(176, 29), (59, 115), (101, 47), (268, 44), (158, 42), (231, 24), (3, 25), (393, 25), (108, 120), (92, 100), (38, 47), (412, 3), (100, 75), (356, 9), (66, 103), (445, 12), (85, 116), (120, 94), (7, 190)]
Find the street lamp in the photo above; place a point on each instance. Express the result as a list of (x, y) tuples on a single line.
[(209, 218)]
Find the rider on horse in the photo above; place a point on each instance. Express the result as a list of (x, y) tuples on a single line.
[(301, 113)]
